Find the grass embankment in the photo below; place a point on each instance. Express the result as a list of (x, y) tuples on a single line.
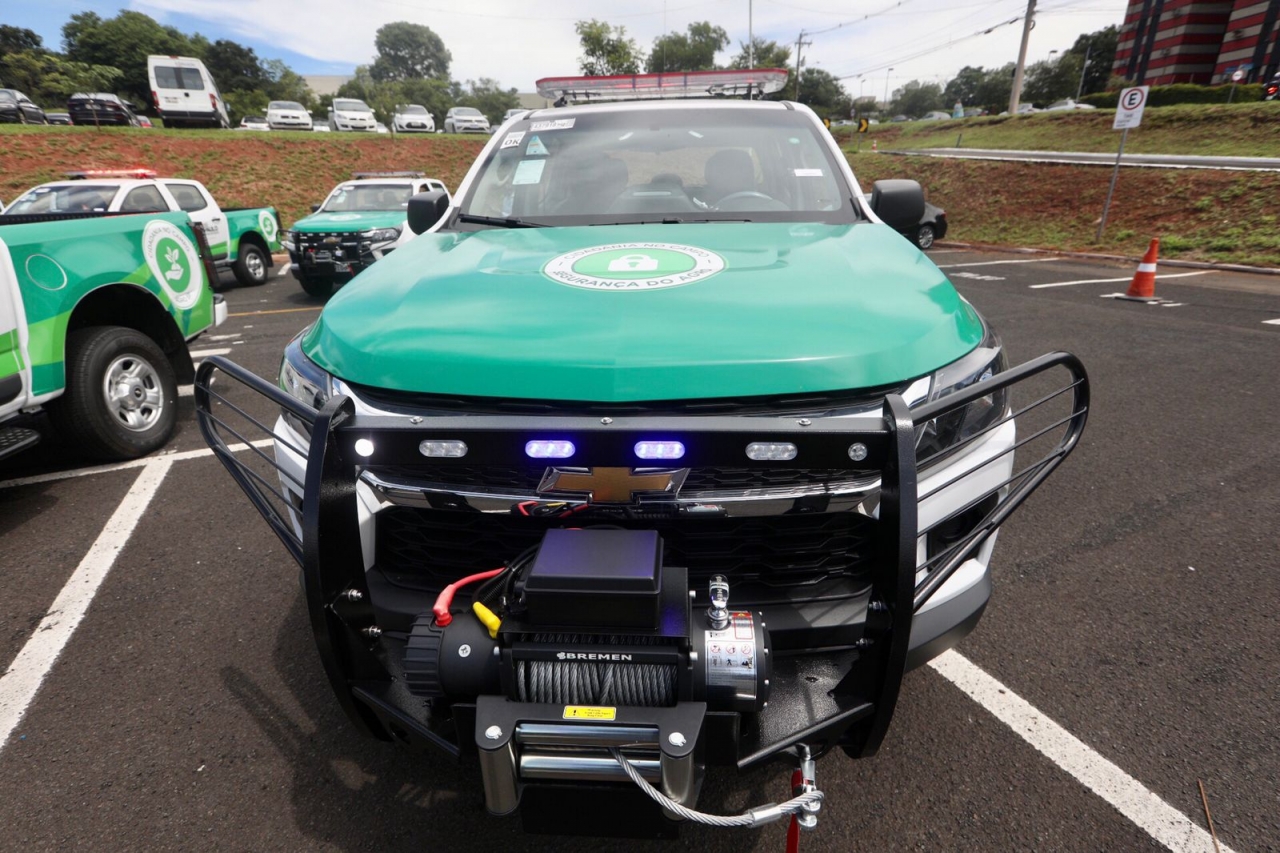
[(290, 171), (1198, 214), (1223, 130)]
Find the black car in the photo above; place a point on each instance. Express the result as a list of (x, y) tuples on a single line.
[(58, 118), (17, 108), (933, 226), (1271, 91), (99, 108)]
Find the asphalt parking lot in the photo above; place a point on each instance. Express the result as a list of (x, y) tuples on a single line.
[(1135, 608)]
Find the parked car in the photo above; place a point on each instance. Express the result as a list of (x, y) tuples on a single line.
[(101, 108), (361, 221), (58, 118), (931, 226), (738, 455), (935, 115), (288, 115), (412, 118), (515, 112), (1023, 109), (143, 121), (1271, 91), (973, 112), (1069, 104), (465, 120), (320, 128), (185, 93), (351, 114), (241, 239), (900, 117), (17, 108), (380, 127), (254, 123)]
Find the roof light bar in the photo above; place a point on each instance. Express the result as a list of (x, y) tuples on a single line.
[(362, 176), (685, 84), (137, 174)]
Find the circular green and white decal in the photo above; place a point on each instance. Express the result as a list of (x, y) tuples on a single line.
[(174, 262), (633, 266), (267, 224)]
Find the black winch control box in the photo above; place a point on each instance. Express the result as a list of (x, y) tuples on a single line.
[(589, 578)]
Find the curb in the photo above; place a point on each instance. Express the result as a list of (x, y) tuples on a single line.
[(1099, 256)]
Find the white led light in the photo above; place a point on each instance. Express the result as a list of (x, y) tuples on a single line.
[(364, 447), (549, 449), (857, 451), (660, 449), (771, 451), (443, 449)]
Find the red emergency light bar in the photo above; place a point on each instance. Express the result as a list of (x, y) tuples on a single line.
[(683, 84), (136, 174)]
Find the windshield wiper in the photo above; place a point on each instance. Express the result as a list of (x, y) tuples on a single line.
[(505, 222), (670, 220)]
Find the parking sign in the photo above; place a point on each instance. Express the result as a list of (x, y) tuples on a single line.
[(1130, 106)]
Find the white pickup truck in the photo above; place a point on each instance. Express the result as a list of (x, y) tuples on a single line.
[(240, 238)]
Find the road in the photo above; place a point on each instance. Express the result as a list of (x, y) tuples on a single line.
[(1163, 161), (1134, 607)]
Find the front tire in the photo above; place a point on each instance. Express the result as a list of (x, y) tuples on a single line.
[(321, 288), (251, 265), (924, 237), (121, 398)]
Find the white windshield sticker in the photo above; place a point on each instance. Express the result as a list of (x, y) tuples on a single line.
[(808, 173), (513, 139), (556, 124), (529, 172), (535, 148)]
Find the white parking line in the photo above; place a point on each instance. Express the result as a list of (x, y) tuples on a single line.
[(222, 337), (123, 466), (994, 263), (283, 272), (21, 682), (205, 353), (1126, 794), (1272, 322), (1112, 280)]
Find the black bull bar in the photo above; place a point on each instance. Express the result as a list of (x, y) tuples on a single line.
[(843, 698)]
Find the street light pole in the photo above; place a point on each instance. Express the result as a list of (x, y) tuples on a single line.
[(1028, 22), (1083, 68), (886, 88)]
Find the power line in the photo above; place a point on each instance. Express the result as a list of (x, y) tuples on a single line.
[(933, 49)]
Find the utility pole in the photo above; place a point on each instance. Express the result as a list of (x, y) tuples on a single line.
[(1083, 68), (886, 88), (800, 42), (1027, 23), (751, 37)]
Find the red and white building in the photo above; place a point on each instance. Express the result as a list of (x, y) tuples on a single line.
[(1185, 41)]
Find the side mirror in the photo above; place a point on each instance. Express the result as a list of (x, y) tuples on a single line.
[(315, 208), (900, 203), (426, 209)]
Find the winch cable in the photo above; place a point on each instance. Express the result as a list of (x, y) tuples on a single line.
[(810, 801)]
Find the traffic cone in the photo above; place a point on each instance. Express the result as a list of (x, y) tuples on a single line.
[(874, 149), (1143, 286)]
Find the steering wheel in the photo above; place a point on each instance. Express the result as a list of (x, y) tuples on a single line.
[(745, 194)]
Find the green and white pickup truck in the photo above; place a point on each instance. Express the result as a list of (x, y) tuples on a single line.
[(240, 238), (95, 315)]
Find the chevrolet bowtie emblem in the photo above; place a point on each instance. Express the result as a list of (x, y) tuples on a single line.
[(613, 485)]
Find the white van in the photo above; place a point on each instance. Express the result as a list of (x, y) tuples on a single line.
[(184, 92)]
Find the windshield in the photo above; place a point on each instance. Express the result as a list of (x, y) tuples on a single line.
[(65, 198), (285, 105), (174, 77), (469, 112), (413, 110), (351, 106), (355, 197), (662, 164)]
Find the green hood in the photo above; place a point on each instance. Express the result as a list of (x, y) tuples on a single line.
[(797, 308), (354, 221)]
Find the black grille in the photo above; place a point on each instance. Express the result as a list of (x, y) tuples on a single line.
[(430, 548), (524, 479)]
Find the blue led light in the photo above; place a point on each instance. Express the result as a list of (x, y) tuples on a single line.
[(549, 449), (660, 449)]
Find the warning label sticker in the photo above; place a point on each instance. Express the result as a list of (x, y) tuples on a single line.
[(589, 712)]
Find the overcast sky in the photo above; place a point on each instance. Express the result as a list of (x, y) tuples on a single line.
[(516, 41)]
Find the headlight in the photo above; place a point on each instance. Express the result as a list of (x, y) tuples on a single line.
[(304, 380), (942, 434), (380, 235), (289, 241)]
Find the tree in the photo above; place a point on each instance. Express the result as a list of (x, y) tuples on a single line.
[(408, 51), (123, 42), (822, 92), (995, 88), (48, 79), (284, 84), (235, 67), (15, 39), (1047, 82), (916, 98), (486, 96), (767, 54), (964, 86), (1100, 46), (694, 51), (607, 50)]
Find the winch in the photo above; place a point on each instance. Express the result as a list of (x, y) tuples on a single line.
[(586, 645)]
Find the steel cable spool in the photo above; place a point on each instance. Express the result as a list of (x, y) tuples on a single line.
[(578, 682)]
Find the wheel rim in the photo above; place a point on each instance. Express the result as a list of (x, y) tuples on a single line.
[(925, 238), (133, 393), (255, 265)]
